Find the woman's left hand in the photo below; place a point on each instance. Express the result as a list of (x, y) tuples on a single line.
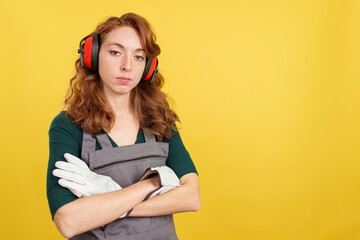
[(167, 177)]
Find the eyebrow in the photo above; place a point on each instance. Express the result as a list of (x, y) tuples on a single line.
[(121, 46)]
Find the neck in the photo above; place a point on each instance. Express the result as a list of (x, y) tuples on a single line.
[(120, 104)]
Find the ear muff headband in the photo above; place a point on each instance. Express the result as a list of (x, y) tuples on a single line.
[(89, 56)]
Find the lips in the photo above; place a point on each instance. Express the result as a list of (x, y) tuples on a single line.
[(123, 80)]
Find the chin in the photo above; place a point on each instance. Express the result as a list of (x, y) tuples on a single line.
[(123, 89), (118, 89)]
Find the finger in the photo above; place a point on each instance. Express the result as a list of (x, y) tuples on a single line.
[(75, 160), (171, 177), (76, 193), (172, 181), (69, 176), (78, 188), (166, 170), (71, 168)]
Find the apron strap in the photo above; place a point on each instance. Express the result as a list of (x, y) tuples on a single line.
[(88, 146), (102, 139), (149, 137), (89, 142)]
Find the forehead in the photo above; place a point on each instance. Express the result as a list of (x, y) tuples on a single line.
[(124, 35)]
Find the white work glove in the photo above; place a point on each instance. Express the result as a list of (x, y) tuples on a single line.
[(80, 180), (168, 179)]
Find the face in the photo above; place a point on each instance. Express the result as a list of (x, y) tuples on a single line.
[(121, 61)]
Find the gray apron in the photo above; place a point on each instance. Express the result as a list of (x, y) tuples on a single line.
[(126, 165)]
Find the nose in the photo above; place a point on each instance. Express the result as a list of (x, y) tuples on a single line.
[(126, 64)]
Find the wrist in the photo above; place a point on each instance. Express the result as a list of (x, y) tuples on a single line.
[(153, 185), (154, 182)]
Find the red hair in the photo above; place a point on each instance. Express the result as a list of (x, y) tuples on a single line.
[(87, 105)]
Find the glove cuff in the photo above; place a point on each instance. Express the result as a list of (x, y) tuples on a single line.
[(151, 172), (128, 213), (148, 174)]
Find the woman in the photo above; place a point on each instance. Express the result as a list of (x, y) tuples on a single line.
[(120, 125)]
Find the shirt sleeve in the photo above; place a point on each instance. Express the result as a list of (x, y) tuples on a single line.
[(179, 159), (64, 137)]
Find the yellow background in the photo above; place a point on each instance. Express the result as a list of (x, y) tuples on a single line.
[(268, 95)]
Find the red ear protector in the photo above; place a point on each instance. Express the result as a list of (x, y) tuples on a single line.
[(89, 56)]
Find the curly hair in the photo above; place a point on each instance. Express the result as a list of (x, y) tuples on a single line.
[(85, 101)]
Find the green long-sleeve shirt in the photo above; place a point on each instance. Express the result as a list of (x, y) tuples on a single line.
[(66, 137)]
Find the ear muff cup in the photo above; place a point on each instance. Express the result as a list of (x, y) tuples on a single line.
[(150, 69), (89, 56), (89, 52)]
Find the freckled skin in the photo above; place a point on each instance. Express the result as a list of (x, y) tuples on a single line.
[(116, 61)]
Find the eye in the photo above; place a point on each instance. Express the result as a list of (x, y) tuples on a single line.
[(140, 58), (114, 52)]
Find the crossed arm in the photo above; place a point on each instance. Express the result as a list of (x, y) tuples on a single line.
[(91, 212)]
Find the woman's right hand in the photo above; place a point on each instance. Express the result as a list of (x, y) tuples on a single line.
[(80, 180)]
